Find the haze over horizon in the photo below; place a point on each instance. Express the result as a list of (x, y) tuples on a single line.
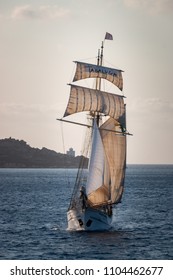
[(39, 40)]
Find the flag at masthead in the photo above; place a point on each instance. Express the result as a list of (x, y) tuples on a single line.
[(108, 36)]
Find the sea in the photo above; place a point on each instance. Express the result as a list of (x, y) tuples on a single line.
[(33, 224)]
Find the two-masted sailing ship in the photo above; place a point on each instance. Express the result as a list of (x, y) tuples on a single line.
[(97, 191)]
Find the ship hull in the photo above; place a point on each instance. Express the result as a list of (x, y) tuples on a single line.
[(89, 220)]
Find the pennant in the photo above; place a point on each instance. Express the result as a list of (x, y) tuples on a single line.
[(108, 36)]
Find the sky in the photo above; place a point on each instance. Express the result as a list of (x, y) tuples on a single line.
[(39, 40)]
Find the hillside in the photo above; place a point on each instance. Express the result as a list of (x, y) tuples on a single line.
[(18, 154)]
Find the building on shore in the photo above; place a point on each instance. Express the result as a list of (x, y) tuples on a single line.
[(71, 152)]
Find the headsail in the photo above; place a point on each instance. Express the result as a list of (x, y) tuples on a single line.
[(85, 99), (85, 70), (98, 179)]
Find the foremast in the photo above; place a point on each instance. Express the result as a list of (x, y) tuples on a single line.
[(98, 79)]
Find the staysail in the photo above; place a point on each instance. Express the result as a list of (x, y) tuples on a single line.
[(86, 70), (98, 180)]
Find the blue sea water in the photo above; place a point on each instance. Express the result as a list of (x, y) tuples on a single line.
[(33, 205)]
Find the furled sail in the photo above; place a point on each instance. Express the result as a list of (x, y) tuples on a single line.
[(115, 150), (97, 188), (85, 99), (85, 70)]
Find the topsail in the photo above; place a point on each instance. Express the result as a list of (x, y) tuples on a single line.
[(85, 70)]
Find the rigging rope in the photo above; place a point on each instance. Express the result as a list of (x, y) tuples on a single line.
[(65, 169), (82, 173)]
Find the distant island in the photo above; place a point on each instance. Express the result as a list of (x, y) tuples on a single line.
[(18, 154)]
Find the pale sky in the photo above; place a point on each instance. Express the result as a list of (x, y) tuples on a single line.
[(39, 40)]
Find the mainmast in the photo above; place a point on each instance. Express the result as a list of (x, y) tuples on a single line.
[(98, 64), (101, 63), (98, 80)]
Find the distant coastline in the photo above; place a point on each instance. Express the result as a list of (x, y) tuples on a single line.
[(18, 154)]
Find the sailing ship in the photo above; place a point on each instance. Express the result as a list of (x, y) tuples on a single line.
[(97, 191)]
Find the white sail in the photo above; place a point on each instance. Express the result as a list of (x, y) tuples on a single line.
[(98, 180), (85, 99), (115, 150), (85, 70)]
